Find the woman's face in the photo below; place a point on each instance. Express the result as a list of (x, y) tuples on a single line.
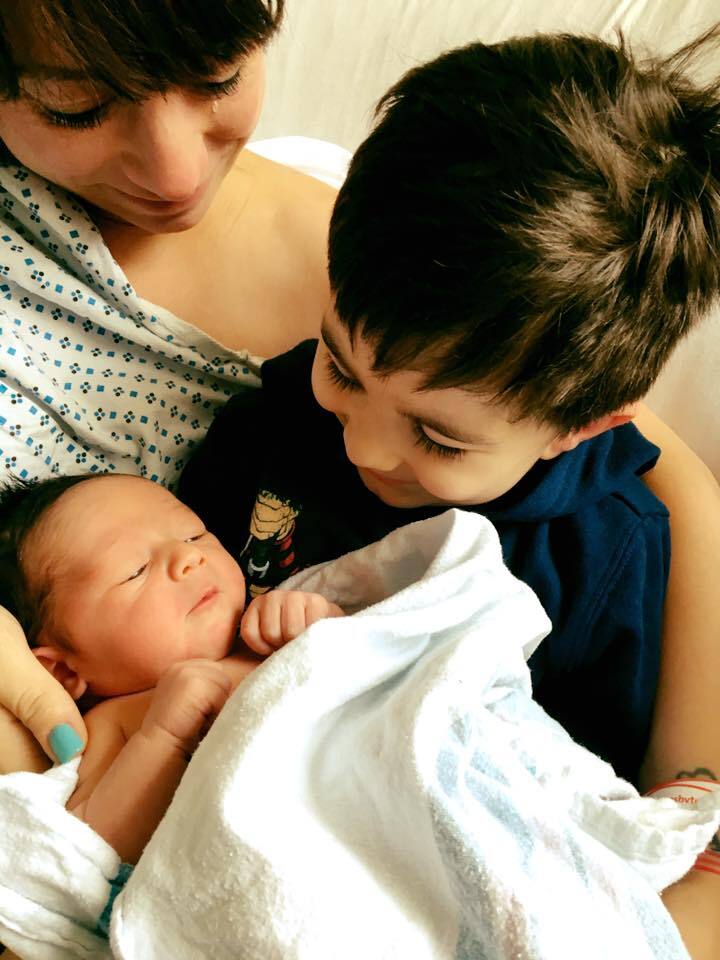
[(156, 164)]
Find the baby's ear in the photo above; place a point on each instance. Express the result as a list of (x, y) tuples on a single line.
[(54, 662)]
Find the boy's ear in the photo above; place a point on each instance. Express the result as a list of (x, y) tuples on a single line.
[(568, 441), (54, 662)]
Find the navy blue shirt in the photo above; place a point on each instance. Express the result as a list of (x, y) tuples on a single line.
[(273, 482)]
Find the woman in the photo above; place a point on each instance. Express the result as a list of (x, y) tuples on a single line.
[(140, 109)]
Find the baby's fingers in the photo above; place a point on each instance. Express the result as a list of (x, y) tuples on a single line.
[(296, 615), (251, 630)]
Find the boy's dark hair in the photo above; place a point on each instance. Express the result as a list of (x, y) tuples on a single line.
[(537, 220), (139, 47), (22, 505)]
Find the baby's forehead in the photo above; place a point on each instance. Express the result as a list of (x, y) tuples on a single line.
[(102, 514)]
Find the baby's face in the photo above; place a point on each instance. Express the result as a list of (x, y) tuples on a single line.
[(136, 583)]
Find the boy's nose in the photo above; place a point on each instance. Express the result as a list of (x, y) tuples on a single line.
[(367, 446), (184, 560)]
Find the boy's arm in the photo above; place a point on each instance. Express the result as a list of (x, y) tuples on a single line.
[(686, 728)]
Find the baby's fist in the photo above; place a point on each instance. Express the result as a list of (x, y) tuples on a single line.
[(187, 699), (275, 618)]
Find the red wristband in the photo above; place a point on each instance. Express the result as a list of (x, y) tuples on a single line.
[(688, 792), (708, 862)]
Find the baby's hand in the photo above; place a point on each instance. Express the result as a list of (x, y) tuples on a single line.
[(186, 701), (274, 618)]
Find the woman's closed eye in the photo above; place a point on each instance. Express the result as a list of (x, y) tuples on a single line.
[(94, 116), (221, 88)]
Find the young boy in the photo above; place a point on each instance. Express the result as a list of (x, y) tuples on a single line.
[(121, 589), (519, 245)]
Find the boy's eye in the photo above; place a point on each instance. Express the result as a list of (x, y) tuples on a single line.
[(432, 446), (138, 572), (336, 376)]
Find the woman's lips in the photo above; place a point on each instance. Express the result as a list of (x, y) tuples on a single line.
[(165, 206)]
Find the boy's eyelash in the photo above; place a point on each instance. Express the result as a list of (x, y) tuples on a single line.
[(87, 119), (336, 376), (432, 446)]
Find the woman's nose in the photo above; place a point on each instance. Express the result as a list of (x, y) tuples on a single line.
[(184, 560), (166, 154)]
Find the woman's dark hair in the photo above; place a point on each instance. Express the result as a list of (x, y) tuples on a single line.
[(139, 47), (22, 506)]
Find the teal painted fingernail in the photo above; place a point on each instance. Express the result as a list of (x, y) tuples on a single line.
[(65, 742)]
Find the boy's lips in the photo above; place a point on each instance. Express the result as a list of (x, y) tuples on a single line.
[(207, 597), (387, 478)]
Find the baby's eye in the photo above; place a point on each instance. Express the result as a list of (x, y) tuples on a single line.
[(196, 537), (137, 573)]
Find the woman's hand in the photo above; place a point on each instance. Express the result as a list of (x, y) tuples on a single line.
[(38, 712)]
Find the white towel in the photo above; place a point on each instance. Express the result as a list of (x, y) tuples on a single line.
[(55, 871), (385, 787)]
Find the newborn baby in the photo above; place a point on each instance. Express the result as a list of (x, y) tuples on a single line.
[(123, 594)]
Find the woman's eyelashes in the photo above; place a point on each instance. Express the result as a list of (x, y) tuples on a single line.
[(94, 117), (84, 120), (220, 88)]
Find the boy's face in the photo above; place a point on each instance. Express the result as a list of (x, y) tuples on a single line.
[(136, 584), (416, 447)]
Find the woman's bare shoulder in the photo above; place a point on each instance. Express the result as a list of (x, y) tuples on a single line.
[(301, 205)]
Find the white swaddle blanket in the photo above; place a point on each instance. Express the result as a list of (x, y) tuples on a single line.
[(383, 787)]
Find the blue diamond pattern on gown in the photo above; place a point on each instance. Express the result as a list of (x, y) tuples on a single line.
[(93, 377)]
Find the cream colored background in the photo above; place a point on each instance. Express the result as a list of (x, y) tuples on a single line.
[(336, 57)]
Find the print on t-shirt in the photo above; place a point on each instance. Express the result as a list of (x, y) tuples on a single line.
[(268, 557)]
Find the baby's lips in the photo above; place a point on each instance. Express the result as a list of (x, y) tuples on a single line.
[(205, 598)]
